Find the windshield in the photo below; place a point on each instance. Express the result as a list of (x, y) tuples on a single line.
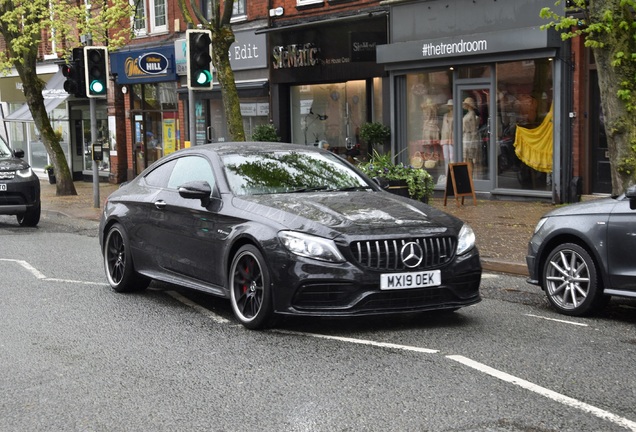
[(289, 172)]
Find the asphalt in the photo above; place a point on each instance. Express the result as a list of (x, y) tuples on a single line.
[(502, 228)]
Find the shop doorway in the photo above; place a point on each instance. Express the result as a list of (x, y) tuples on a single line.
[(474, 132)]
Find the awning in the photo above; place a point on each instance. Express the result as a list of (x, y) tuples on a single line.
[(54, 94)]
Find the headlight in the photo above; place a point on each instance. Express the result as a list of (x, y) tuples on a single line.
[(465, 240), (541, 222), (311, 246), (25, 172)]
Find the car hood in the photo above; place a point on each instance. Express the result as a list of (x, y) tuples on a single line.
[(348, 212), (597, 206), (13, 164)]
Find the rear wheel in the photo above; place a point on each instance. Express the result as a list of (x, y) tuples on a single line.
[(118, 263), (250, 290), (31, 217), (571, 282)]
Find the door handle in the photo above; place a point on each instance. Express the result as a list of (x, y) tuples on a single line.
[(161, 204)]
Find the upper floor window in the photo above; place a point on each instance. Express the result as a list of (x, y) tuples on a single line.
[(139, 20), (158, 18), (307, 2), (239, 13)]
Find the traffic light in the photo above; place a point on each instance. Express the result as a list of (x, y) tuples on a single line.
[(96, 71), (74, 73), (199, 61)]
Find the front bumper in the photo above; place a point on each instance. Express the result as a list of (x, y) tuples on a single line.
[(21, 195), (313, 289)]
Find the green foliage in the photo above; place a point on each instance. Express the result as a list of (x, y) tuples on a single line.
[(265, 132), (374, 133), (419, 181)]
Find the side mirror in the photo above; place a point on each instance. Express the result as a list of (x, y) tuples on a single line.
[(630, 194), (196, 190), (19, 153)]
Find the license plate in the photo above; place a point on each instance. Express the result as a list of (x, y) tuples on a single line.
[(389, 281), (3, 187)]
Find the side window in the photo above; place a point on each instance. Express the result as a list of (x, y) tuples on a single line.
[(159, 176), (191, 168)]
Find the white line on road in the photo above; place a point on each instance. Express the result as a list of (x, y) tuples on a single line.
[(205, 312), (39, 275), (558, 397), (557, 320), (361, 341), (27, 266)]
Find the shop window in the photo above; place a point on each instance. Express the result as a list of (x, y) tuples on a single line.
[(524, 125), (330, 116), (430, 142)]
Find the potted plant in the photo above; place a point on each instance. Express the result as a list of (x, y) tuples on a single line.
[(416, 183), (50, 170), (375, 134), (265, 132)]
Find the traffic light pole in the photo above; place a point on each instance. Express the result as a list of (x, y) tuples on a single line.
[(192, 112), (93, 111)]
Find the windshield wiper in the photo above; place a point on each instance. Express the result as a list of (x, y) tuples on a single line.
[(310, 189), (354, 188)]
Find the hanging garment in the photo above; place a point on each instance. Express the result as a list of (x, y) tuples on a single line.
[(534, 146)]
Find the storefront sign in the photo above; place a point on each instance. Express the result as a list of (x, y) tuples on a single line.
[(144, 66), (247, 52), (295, 56), (362, 45), (468, 45)]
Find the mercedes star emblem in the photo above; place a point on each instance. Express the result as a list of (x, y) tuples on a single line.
[(412, 255)]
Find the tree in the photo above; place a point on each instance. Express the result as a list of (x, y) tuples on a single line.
[(22, 24), (222, 39), (609, 29)]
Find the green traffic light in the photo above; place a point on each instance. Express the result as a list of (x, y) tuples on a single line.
[(203, 77), (97, 87)]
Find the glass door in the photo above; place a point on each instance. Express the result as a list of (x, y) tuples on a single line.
[(475, 125)]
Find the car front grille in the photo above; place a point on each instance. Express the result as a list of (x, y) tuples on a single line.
[(7, 175), (385, 255)]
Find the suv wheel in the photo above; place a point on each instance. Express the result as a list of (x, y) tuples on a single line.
[(31, 217)]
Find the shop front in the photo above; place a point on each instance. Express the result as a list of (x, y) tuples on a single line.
[(326, 82), (147, 78), (481, 84)]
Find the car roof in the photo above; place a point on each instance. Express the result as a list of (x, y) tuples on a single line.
[(232, 147)]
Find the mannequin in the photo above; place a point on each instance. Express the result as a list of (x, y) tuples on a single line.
[(430, 129), (447, 136), (470, 137)]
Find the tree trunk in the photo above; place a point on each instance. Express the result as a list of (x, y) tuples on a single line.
[(222, 38), (620, 127), (33, 87)]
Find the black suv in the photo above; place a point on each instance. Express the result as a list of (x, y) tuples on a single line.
[(19, 187)]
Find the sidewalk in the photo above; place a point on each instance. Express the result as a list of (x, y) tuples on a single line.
[(503, 228)]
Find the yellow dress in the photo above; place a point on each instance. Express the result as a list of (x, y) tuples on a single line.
[(534, 146)]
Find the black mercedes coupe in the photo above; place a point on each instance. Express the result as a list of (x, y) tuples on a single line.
[(285, 229)]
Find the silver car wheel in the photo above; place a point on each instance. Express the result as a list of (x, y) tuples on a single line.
[(571, 281)]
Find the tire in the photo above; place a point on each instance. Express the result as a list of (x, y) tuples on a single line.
[(118, 262), (571, 282), (250, 290), (31, 217)]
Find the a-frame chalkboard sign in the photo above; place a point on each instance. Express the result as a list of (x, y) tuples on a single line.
[(459, 182)]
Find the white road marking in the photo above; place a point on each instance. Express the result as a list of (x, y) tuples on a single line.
[(27, 266), (550, 394), (360, 341), (489, 276), (203, 311), (37, 274), (558, 320)]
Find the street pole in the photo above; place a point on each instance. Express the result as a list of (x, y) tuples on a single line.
[(93, 111), (192, 114)]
